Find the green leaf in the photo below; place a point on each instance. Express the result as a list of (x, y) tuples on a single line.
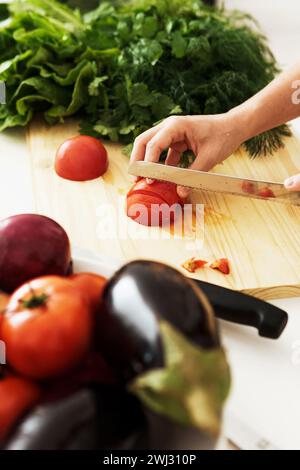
[(179, 45), (161, 57), (45, 88), (96, 85), (105, 130), (79, 96), (11, 64), (4, 13), (163, 106), (125, 130), (13, 120), (192, 386), (24, 105), (145, 26), (139, 95), (53, 12), (199, 48)]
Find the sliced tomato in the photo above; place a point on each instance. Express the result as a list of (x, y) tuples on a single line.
[(156, 198), (221, 265), (193, 264), (166, 191), (143, 209)]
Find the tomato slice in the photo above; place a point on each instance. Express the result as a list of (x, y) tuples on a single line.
[(221, 265), (193, 264)]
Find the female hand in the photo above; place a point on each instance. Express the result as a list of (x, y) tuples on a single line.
[(211, 138)]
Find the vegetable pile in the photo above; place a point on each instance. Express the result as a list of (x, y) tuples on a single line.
[(129, 64), (71, 333)]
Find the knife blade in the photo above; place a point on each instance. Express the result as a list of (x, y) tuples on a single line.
[(215, 182)]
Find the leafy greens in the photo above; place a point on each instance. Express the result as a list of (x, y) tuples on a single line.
[(128, 64)]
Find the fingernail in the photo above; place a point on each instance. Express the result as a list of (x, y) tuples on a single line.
[(289, 182)]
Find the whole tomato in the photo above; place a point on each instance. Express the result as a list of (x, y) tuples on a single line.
[(47, 328), (17, 395), (81, 158), (149, 204), (90, 285)]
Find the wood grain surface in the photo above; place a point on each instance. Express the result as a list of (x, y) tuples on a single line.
[(261, 239)]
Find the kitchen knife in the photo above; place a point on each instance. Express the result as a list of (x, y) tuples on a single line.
[(206, 181), (243, 309)]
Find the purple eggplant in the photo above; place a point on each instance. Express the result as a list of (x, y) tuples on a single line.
[(135, 299), (89, 419)]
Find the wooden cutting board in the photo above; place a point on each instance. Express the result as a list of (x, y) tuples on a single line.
[(261, 239)]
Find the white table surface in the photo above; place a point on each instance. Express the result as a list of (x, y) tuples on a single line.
[(266, 373)]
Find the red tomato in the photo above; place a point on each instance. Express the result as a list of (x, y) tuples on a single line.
[(90, 285), (155, 198), (145, 209), (4, 298), (17, 396), (47, 328), (81, 158), (193, 264)]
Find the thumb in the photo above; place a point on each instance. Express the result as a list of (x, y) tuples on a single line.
[(293, 183)]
